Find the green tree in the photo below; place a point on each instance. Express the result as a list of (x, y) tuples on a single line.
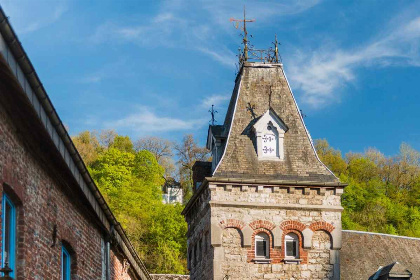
[(330, 157), (131, 183), (188, 153), (87, 144)]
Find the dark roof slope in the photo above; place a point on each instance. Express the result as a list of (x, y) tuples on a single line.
[(364, 252), (254, 85)]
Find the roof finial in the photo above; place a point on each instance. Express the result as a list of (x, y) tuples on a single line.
[(212, 112), (276, 50), (245, 35)]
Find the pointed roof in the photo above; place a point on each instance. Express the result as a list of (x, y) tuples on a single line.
[(262, 88)]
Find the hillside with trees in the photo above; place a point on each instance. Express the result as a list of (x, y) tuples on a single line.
[(383, 192)]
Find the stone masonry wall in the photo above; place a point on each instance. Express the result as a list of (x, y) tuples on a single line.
[(200, 253), (46, 214), (243, 211)]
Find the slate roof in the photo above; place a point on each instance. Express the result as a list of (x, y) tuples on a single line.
[(253, 86), (392, 270), (217, 130), (363, 253)]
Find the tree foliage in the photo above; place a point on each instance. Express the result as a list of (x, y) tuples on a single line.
[(130, 180), (383, 193), (188, 153)]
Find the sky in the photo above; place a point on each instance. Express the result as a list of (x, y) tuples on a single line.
[(154, 68)]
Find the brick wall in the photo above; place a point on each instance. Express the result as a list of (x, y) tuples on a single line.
[(120, 268), (49, 212)]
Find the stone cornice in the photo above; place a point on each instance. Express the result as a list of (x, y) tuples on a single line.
[(219, 180), (244, 183), (330, 208)]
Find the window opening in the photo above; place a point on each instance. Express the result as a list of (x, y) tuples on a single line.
[(262, 249), (65, 264), (291, 241), (9, 234)]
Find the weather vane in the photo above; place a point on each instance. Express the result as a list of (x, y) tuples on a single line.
[(277, 57), (270, 55), (212, 112), (243, 28)]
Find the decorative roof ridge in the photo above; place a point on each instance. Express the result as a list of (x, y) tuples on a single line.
[(381, 234)]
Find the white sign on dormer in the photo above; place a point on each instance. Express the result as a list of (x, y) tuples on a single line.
[(269, 131)]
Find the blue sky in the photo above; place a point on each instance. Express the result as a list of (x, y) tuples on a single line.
[(149, 68)]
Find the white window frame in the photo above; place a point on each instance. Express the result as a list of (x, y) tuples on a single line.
[(262, 236), (291, 238), (270, 124)]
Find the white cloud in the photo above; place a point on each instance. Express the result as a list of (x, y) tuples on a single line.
[(30, 16), (215, 100), (200, 30), (146, 121), (227, 57), (320, 74)]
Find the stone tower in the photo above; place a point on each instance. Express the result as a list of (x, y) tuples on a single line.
[(266, 207)]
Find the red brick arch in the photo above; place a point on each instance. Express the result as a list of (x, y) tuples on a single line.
[(288, 225), (232, 223), (322, 225), (303, 254), (275, 254), (262, 224)]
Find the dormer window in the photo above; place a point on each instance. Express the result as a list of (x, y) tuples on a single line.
[(269, 131)]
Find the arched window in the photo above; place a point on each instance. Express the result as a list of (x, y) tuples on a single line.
[(262, 245), (9, 234), (291, 246), (65, 263)]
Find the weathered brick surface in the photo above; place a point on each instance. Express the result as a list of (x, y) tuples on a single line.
[(232, 223), (240, 159), (262, 224), (321, 225), (48, 213), (274, 253), (120, 268), (286, 225)]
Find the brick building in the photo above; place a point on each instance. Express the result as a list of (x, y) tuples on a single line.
[(55, 223), (268, 208)]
